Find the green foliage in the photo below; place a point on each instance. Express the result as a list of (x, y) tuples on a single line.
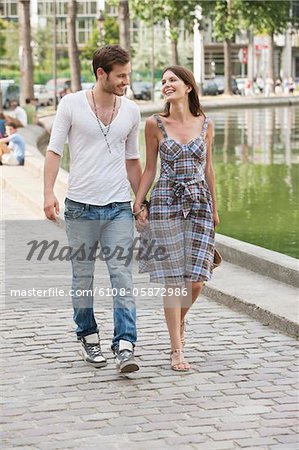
[(269, 16), (10, 49), (227, 18), (154, 12), (110, 36), (91, 45), (43, 51), (2, 38), (111, 30)]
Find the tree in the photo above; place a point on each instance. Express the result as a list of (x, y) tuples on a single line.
[(2, 38), (124, 24), (175, 11), (226, 23), (72, 46), (26, 61), (270, 17)]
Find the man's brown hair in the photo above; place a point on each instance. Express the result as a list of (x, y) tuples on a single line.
[(108, 55)]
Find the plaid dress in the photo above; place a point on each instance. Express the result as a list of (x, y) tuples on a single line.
[(178, 245)]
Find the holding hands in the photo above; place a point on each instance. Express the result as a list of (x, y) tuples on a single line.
[(140, 212)]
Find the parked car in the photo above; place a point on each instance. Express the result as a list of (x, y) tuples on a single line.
[(141, 90), (43, 96), (9, 92), (62, 85), (219, 80), (209, 87), (158, 90)]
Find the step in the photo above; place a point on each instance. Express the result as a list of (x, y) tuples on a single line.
[(267, 300), (271, 264), (27, 187)]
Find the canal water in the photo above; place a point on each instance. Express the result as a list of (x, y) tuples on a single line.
[(256, 159)]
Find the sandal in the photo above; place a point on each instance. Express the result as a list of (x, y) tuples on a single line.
[(177, 359), (182, 332)]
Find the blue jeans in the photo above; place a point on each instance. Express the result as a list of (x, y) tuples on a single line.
[(106, 233)]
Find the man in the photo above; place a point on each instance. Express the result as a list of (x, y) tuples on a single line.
[(30, 110), (18, 113), (12, 147), (102, 130)]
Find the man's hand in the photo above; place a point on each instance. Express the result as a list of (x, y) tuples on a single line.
[(51, 207), (142, 220)]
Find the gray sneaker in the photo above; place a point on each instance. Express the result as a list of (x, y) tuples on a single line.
[(91, 350), (124, 357)]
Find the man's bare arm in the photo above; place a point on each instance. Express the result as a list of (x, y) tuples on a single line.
[(51, 204), (134, 172)]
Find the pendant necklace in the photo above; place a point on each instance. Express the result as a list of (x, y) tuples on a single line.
[(98, 120)]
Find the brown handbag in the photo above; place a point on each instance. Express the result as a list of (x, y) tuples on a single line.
[(217, 258)]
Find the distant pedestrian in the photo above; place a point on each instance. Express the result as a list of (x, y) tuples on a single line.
[(248, 87), (285, 85), (260, 84), (268, 86), (15, 154), (292, 86), (2, 125), (18, 113), (278, 86), (30, 111)]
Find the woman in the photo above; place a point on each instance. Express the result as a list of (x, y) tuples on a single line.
[(183, 210)]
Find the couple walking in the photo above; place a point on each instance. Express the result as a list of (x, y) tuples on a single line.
[(101, 126)]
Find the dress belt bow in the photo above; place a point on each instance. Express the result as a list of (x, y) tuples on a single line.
[(182, 189)]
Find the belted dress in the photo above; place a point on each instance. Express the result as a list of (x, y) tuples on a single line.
[(178, 244)]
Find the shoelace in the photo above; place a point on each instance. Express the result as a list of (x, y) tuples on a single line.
[(125, 354), (94, 349)]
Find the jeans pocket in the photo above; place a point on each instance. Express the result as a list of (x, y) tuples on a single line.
[(73, 210)]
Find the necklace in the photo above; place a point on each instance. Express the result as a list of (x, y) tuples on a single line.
[(98, 120)]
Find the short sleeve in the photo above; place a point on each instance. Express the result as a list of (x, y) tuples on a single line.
[(61, 127), (132, 142)]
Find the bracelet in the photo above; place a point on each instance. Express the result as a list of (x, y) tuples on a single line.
[(138, 212)]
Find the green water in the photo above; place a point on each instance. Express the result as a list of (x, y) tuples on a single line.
[(256, 159), (256, 156)]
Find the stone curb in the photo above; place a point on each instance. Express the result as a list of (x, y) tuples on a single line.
[(262, 315)]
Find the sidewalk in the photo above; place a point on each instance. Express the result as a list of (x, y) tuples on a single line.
[(208, 102), (241, 392)]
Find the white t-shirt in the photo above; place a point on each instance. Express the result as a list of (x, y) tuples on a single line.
[(97, 177), (20, 114)]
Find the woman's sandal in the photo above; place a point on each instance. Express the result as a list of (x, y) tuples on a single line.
[(177, 359), (182, 332)]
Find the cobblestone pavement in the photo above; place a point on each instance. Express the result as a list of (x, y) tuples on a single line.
[(241, 392)]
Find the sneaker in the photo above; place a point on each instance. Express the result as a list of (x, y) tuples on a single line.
[(91, 350), (125, 361)]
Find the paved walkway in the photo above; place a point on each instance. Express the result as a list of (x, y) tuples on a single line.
[(241, 392)]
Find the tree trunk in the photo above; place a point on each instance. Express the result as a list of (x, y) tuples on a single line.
[(227, 67), (124, 24), (25, 52), (271, 67), (174, 52), (72, 47)]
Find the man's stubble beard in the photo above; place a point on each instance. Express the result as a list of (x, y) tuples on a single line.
[(110, 89)]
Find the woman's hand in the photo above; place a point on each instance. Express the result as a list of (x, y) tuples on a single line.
[(216, 218), (141, 217)]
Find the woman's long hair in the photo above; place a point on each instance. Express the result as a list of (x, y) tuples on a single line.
[(188, 78)]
